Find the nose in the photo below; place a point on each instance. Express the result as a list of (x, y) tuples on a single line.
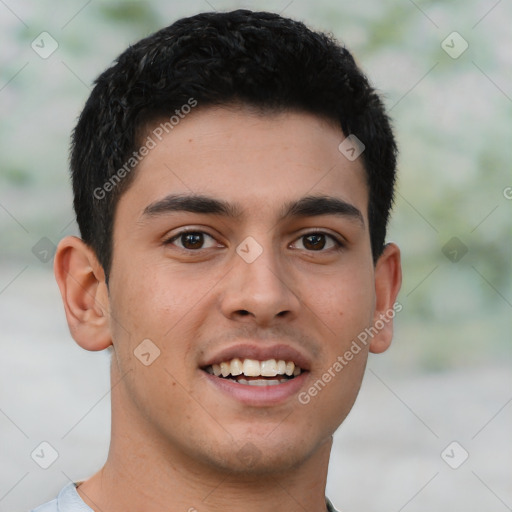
[(259, 291)]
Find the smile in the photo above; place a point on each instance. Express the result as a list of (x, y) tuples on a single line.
[(251, 372)]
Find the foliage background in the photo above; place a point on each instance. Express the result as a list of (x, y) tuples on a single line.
[(452, 120)]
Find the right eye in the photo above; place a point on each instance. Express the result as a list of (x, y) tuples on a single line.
[(191, 240)]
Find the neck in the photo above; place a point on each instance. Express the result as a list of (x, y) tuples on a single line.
[(141, 474)]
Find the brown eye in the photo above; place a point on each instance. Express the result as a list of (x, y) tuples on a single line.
[(192, 240), (314, 241), (319, 241)]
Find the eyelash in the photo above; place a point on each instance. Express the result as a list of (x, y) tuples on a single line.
[(339, 245)]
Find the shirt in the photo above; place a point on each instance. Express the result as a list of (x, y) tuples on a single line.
[(69, 500)]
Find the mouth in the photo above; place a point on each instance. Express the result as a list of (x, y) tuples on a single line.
[(252, 372), (256, 374)]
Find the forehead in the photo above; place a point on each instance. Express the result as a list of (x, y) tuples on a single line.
[(257, 162)]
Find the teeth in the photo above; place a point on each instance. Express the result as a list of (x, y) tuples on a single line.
[(254, 368), (225, 369), (261, 382), (269, 368), (236, 367), (251, 368)]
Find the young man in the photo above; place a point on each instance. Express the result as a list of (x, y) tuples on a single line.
[(233, 175)]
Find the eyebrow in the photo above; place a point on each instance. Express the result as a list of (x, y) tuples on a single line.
[(308, 206)]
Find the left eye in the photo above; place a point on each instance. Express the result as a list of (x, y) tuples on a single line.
[(318, 241), (192, 240)]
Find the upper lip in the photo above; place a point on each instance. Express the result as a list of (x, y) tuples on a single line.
[(259, 352)]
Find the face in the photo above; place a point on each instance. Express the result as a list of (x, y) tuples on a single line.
[(242, 239)]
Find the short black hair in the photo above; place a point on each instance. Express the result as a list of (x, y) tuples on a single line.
[(259, 59)]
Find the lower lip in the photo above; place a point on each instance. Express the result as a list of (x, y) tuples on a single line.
[(258, 395)]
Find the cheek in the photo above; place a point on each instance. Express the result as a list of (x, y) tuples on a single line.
[(151, 305), (343, 312), (162, 305), (152, 301), (345, 304)]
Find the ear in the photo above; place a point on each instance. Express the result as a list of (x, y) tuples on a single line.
[(81, 281), (388, 279)]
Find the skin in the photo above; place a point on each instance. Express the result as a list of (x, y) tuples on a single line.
[(177, 442)]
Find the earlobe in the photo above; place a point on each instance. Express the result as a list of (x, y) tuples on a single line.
[(81, 281), (388, 279)]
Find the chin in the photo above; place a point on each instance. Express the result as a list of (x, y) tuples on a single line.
[(259, 457)]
